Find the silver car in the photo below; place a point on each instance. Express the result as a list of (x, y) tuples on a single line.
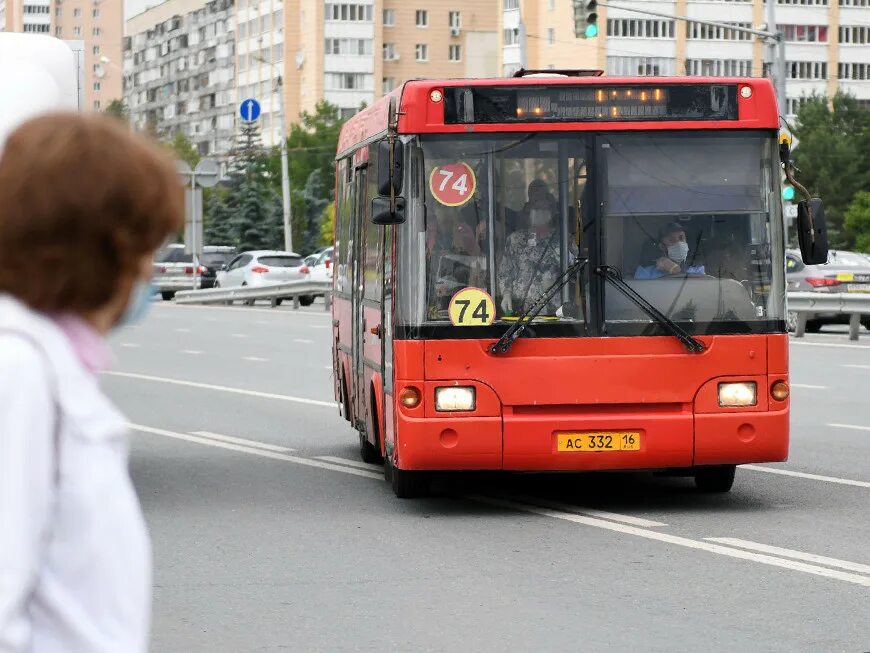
[(262, 268), (845, 272), (173, 270)]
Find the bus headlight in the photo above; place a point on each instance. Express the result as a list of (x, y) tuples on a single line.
[(454, 398), (738, 394)]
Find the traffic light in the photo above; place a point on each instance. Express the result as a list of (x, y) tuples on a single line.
[(585, 19), (788, 192)]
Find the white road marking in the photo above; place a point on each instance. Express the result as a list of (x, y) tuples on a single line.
[(303, 341), (710, 547), (182, 330), (681, 541), (256, 452), (130, 345), (350, 463), (825, 344), (221, 388), (240, 335), (601, 514), (807, 386), (327, 367), (192, 352), (242, 441), (256, 359), (858, 367), (791, 553), (811, 477)]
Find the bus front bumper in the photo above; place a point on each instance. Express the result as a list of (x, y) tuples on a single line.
[(528, 440)]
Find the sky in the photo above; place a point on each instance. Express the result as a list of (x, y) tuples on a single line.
[(133, 7)]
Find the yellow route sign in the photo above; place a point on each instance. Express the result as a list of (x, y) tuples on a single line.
[(471, 307)]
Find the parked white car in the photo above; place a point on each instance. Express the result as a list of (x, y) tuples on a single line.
[(322, 268), (262, 268)]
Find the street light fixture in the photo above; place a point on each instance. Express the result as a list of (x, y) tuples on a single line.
[(285, 164)]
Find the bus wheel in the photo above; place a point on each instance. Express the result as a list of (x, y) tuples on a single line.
[(406, 484), (719, 478), (369, 452)]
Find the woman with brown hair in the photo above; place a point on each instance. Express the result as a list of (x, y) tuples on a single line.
[(83, 206)]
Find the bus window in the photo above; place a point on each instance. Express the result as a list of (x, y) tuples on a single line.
[(694, 239), (500, 215)]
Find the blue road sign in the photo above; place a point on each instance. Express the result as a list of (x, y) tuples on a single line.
[(249, 110)]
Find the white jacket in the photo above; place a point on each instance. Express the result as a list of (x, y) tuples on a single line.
[(75, 570)]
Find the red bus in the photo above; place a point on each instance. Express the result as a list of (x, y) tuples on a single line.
[(564, 273)]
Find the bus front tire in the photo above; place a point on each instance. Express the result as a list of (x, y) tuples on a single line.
[(717, 478), (406, 484), (368, 452)]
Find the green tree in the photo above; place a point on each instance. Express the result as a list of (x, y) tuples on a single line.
[(218, 219), (327, 225), (857, 220), (834, 157), (117, 109), (183, 149)]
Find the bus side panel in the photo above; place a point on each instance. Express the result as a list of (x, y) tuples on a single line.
[(341, 312), (777, 355)]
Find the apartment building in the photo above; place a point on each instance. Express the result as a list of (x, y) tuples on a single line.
[(96, 26), (827, 41), (350, 52), (179, 69)]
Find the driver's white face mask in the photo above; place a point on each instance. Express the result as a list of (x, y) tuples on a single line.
[(678, 252)]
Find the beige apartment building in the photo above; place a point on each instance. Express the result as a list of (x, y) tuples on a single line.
[(827, 41), (350, 52), (98, 24)]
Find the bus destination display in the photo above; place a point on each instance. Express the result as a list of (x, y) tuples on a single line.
[(562, 103)]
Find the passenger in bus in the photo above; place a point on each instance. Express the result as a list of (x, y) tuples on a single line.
[(531, 261), (674, 257)]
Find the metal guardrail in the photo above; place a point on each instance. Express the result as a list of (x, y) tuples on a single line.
[(805, 304), (272, 292)]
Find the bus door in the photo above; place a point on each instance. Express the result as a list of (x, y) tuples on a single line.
[(358, 255)]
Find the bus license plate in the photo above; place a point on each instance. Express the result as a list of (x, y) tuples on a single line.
[(599, 441)]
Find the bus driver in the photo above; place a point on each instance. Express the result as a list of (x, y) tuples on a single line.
[(675, 255)]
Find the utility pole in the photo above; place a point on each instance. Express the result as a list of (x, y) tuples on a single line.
[(285, 162), (771, 36)]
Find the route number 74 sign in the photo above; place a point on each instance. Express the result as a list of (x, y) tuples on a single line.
[(452, 184)]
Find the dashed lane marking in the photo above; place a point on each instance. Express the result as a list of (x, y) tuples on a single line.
[(601, 514), (221, 388), (256, 359), (791, 553), (242, 441), (130, 345), (804, 475), (807, 386), (686, 542), (192, 352)]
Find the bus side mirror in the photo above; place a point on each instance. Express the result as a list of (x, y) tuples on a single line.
[(812, 231), (390, 175), (381, 213)]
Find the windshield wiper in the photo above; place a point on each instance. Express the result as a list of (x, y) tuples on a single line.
[(516, 329), (612, 275)]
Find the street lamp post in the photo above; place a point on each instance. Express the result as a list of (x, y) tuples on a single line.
[(285, 163)]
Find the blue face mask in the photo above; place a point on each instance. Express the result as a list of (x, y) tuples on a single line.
[(138, 304)]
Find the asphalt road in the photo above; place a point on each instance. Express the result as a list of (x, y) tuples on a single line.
[(270, 535)]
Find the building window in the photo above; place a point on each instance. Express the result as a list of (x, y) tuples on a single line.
[(390, 52), (858, 71), (511, 37), (77, 13), (348, 81), (718, 33), (77, 31), (804, 33), (639, 28), (421, 18), (640, 66), (96, 49), (422, 52), (388, 84), (719, 67), (551, 36), (807, 3), (96, 86), (348, 12), (454, 52), (854, 34), (455, 19), (389, 17), (96, 32), (96, 105), (95, 13), (806, 70), (511, 4), (349, 46)]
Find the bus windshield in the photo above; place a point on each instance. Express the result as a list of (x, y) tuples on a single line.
[(690, 220)]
